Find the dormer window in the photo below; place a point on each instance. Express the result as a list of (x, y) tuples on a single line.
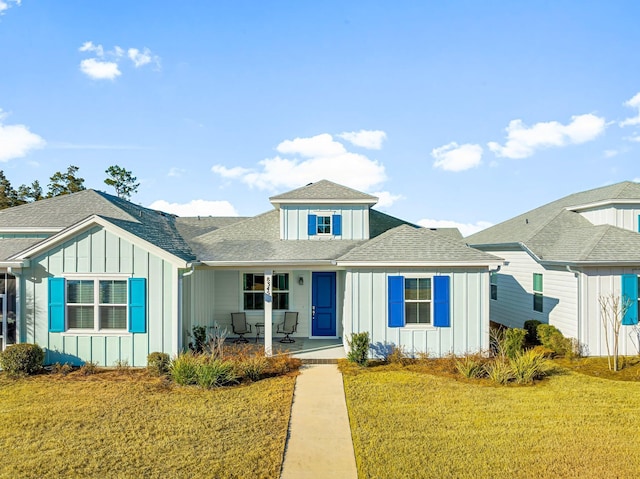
[(324, 225)]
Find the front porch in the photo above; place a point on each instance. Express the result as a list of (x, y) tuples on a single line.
[(314, 351)]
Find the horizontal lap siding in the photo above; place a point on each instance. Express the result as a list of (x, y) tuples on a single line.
[(621, 216), (602, 282), (366, 310), (515, 294), (98, 251)]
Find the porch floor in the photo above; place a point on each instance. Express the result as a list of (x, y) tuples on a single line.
[(306, 349)]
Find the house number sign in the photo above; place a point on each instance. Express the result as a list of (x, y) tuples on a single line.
[(267, 289)]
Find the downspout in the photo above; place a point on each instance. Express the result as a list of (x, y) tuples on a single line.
[(578, 276), (180, 301)]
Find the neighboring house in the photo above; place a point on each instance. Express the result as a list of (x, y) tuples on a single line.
[(562, 257), (91, 277)]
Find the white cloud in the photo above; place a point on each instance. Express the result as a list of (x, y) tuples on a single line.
[(386, 199), (16, 141), (196, 208), (6, 4), (99, 70), (632, 103), (105, 64), (454, 157), (465, 228), (370, 139), (523, 141), (635, 138), (611, 153), (319, 157), (176, 172)]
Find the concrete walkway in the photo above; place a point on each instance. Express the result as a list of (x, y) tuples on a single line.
[(319, 443)]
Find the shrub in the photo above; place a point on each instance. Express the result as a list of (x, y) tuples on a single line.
[(158, 363), (253, 367), (282, 364), (62, 369), (199, 334), (513, 342), (184, 369), (215, 373), (397, 355), (22, 359), (359, 348), (470, 366), (89, 368), (528, 366), (531, 326), (550, 337), (499, 371), (122, 365)]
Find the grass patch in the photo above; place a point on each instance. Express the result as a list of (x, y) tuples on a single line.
[(131, 425), (413, 425), (598, 367)]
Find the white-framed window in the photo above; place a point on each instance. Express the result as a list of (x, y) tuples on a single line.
[(537, 292), (417, 300), (324, 225), (96, 304), (493, 279), (253, 291)]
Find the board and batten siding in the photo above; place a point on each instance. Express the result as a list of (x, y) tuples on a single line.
[(294, 226), (622, 216), (212, 295), (596, 282), (366, 309), (98, 251), (514, 305)]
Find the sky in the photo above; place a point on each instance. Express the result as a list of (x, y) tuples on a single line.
[(458, 113)]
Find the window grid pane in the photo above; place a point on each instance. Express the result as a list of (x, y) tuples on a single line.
[(324, 224), (80, 291), (113, 292), (80, 317), (113, 317), (537, 282)]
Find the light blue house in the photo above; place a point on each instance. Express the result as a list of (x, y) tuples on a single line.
[(91, 277)]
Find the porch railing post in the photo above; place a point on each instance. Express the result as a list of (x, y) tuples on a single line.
[(268, 312)]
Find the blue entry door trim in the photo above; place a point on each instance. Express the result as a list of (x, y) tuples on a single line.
[(323, 304)]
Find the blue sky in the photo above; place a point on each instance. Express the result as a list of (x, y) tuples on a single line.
[(455, 113)]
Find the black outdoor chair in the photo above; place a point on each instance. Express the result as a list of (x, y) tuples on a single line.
[(288, 326), (240, 327)]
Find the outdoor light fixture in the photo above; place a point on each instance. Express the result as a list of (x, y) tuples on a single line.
[(300, 280)]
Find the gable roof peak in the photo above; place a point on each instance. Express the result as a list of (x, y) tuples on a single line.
[(324, 191)]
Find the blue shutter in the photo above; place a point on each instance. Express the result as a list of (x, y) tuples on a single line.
[(630, 293), (56, 305), (312, 225), (336, 225), (137, 305), (441, 294), (396, 301)]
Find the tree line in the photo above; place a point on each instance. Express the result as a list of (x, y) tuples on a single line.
[(64, 183)]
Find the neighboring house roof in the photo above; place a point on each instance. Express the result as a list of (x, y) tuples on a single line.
[(556, 232), (324, 191), (406, 244), (61, 212)]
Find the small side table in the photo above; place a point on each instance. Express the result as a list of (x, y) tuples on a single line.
[(259, 326)]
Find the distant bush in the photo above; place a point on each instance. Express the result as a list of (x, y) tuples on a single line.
[(89, 368), (215, 373), (531, 326), (158, 363), (253, 367), (22, 359), (62, 369), (359, 348), (550, 337), (397, 355), (513, 342), (528, 366), (184, 369)]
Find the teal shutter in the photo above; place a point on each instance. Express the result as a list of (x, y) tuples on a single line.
[(630, 293), (396, 301), (336, 225), (312, 225), (56, 305), (137, 305), (441, 301)]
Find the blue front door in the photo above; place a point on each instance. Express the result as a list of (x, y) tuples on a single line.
[(323, 304)]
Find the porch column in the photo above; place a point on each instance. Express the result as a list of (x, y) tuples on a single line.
[(268, 312)]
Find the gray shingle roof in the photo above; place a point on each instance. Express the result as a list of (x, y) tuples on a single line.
[(323, 190), (408, 244), (190, 227), (64, 211), (11, 246), (553, 232)]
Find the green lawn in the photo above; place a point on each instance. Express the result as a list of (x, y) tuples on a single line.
[(408, 424), (128, 425)]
